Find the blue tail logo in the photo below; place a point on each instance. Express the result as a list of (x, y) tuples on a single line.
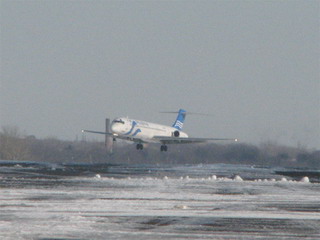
[(178, 124)]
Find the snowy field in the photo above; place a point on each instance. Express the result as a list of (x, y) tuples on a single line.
[(46, 201)]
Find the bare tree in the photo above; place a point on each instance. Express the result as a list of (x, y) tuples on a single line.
[(13, 146)]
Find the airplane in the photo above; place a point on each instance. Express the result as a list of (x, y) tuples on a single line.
[(145, 132)]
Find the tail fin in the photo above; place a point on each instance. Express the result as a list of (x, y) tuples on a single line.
[(178, 124)]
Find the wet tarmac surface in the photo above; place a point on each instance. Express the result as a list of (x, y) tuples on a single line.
[(101, 201)]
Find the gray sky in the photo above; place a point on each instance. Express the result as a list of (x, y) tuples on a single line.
[(253, 65)]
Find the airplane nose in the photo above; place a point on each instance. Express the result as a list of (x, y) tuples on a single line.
[(114, 128)]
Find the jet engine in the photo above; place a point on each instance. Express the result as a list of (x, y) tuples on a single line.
[(176, 133)]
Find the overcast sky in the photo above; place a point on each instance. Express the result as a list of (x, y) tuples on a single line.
[(253, 65)]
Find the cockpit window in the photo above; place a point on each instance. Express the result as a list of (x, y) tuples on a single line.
[(118, 121)]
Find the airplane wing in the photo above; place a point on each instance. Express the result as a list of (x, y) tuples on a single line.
[(183, 140), (162, 139), (104, 133), (113, 135)]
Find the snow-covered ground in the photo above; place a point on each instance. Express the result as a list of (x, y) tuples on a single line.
[(143, 202)]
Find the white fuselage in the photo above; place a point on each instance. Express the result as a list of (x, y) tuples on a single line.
[(143, 130)]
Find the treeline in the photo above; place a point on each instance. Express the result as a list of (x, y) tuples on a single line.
[(15, 146)]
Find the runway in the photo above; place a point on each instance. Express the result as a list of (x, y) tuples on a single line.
[(101, 201)]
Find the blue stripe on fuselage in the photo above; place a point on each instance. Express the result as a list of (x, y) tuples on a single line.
[(136, 132), (132, 127)]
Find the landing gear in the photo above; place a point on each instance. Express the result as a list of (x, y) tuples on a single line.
[(139, 146), (163, 148)]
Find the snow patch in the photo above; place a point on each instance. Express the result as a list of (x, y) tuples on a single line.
[(237, 178), (181, 206), (305, 180)]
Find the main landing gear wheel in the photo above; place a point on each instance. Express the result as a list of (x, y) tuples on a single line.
[(139, 146), (163, 148)]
